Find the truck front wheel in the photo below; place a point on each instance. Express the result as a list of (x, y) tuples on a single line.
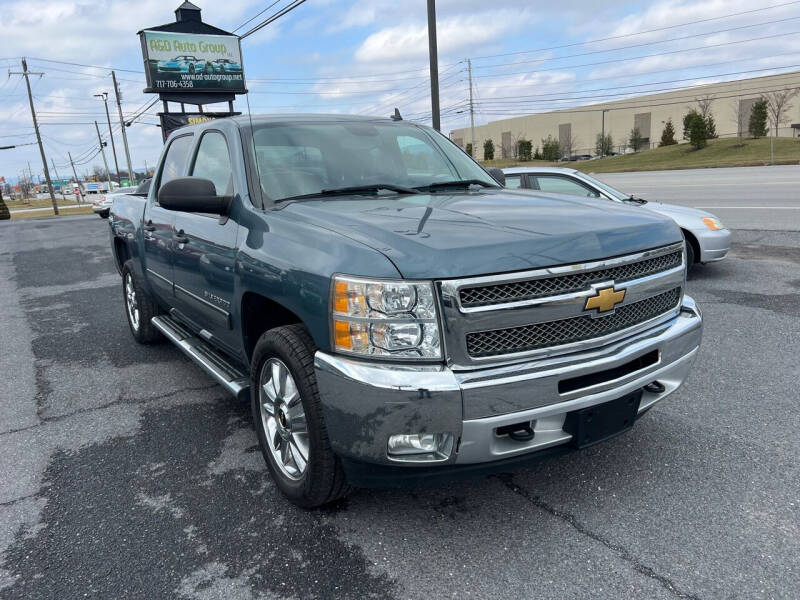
[(287, 415), (139, 307)]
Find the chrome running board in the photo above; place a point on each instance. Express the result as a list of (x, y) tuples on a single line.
[(213, 362)]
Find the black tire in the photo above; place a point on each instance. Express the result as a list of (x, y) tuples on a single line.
[(690, 256), (104, 214), (146, 308), (191, 68), (323, 480)]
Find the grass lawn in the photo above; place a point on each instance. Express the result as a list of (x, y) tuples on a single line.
[(83, 210), (41, 202), (728, 152)]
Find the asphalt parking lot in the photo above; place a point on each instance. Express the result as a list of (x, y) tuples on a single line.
[(126, 472)]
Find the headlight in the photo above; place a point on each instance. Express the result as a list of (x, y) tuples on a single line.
[(386, 318), (713, 223)]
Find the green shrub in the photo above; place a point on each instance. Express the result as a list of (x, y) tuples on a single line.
[(668, 135), (524, 148), (488, 150), (604, 145), (758, 119), (551, 149)]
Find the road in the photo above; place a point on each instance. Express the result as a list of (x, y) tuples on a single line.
[(125, 472), (763, 198)]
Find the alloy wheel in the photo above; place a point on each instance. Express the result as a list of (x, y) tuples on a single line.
[(130, 302), (283, 418)]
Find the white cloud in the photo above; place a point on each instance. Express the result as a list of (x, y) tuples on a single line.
[(404, 42)]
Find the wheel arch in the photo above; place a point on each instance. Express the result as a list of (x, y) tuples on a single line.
[(259, 314), (691, 239)]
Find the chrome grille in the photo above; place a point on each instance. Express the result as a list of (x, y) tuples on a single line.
[(516, 291), (574, 329)]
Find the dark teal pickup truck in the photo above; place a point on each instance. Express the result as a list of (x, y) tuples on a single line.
[(390, 310)]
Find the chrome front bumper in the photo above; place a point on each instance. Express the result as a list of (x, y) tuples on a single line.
[(366, 402)]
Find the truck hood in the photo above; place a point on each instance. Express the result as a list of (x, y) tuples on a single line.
[(466, 233)]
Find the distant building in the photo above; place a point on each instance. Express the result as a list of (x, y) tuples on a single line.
[(578, 127)]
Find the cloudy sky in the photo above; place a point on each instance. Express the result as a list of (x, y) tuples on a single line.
[(368, 56)]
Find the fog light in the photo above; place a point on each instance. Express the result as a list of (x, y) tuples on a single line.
[(421, 446)]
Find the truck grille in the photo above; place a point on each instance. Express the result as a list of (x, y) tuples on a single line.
[(502, 293), (574, 329)]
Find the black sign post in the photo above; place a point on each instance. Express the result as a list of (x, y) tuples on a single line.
[(191, 62)]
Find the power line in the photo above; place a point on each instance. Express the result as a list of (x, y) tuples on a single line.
[(272, 18), (643, 44), (617, 37), (648, 104), (636, 85), (510, 101), (629, 58), (75, 64), (258, 14)]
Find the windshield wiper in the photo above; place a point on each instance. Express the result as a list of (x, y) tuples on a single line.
[(636, 200), (354, 189), (457, 183)]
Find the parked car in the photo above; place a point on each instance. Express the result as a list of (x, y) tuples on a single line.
[(226, 65), (185, 63), (707, 239), (396, 315), (102, 205)]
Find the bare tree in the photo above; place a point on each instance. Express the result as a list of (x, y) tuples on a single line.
[(736, 108), (778, 104), (515, 139), (704, 105), (569, 145)]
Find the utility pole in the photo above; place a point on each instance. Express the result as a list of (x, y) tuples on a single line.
[(58, 178), (104, 96), (131, 174), (25, 74), (103, 152), (77, 181), (434, 61), (471, 111)]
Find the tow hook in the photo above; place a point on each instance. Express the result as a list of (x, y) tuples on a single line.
[(519, 432), (655, 387)]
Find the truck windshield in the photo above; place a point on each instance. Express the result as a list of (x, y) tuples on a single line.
[(303, 159)]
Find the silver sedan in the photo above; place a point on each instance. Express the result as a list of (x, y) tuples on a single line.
[(707, 239)]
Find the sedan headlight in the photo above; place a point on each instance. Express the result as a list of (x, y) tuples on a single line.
[(713, 223), (385, 318)]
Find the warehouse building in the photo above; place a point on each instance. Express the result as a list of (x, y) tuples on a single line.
[(577, 128)]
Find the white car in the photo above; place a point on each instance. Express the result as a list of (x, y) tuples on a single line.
[(102, 205), (707, 239)]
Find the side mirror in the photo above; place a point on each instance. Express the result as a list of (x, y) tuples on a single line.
[(193, 194), (497, 175)]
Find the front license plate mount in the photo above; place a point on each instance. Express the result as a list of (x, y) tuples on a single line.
[(595, 424)]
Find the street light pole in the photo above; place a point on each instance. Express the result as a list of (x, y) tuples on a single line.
[(103, 152), (104, 96), (434, 64)]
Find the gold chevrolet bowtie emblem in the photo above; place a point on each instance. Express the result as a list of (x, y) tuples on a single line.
[(605, 299)]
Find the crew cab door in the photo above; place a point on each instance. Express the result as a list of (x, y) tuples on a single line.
[(158, 223), (205, 248)]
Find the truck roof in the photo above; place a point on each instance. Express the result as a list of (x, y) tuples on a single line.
[(246, 120)]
